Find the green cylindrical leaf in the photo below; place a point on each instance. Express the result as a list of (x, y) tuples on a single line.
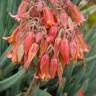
[(11, 80)]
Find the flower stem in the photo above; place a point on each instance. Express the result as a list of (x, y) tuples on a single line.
[(29, 90)]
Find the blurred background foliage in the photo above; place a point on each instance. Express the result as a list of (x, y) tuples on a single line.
[(14, 81)]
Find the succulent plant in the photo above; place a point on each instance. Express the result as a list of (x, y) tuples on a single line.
[(51, 47)]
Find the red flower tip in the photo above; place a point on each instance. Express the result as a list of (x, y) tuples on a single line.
[(81, 92)]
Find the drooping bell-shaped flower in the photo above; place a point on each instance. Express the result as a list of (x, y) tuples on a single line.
[(48, 17), (84, 45), (53, 67), (73, 50), (64, 50), (74, 12), (22, 11), (13, 54), (12, 39), (80, 52), (64, 19), (39, 37), (44, 67), (52, 34), (57, 46), (43, 47), (31, 54), (28, 41)]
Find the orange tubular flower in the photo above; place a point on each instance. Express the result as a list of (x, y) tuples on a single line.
[(80, 52), (57, 46), (43, 47), (44, 67), (31, 54), (53, 67), (77, 17), (64, 50), (28, 42), (48, 17), (13, 54), (82, 42), (21, 10), (73, 50), (64, 19), (12, 39), (52, 34), (39, 37), (74, 12)]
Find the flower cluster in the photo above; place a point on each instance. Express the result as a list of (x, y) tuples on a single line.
[(50, 34)]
